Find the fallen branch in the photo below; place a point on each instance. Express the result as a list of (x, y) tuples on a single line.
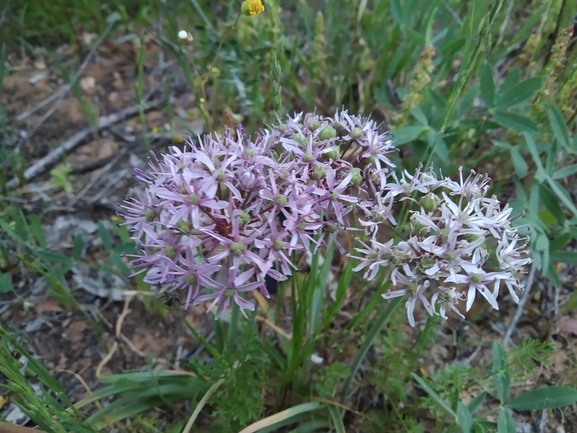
[(62, 92), (55, 155)]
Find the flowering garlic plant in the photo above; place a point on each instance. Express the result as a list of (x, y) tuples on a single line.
[(458, 242), (218, 217)]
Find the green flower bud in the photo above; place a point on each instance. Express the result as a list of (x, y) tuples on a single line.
[(169, 251), (333, 153), (244, 218), (319, 172), (278, 244), (183, 226), (150, 215), (327, 132), (357, 177), (429, 203), (280, 200), (299, 138), (237, 248), (357, 132), (308, 157), (193, 198)]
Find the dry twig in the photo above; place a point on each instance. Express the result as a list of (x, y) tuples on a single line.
[(55, 155)]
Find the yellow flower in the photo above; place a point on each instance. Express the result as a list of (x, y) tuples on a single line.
[(251, 7)]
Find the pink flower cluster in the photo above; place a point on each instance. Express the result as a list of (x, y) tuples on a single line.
[(218, 217)]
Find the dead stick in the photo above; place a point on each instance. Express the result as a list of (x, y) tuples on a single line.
[(54, 156), (65, 89)]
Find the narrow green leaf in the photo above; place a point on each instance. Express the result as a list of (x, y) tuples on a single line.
[(519, 93), (519, 163), (464, 418), (396, 11), (487, 85), (559, 126), (514, 121), (511, 80), (565, 172), (435, 396), (564, 257), (407, 134), (563, 195), (5, 282), (476, 402), (550, 397), (105, 236), (478, 427), (368, 342), (336, 418), (500, 372), (505, 422), (52, 257), (77, 247), (551, 203), (36, 230), (540, 175)]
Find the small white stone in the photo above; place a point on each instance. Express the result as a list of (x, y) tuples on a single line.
[(185, 36), (316, 359)]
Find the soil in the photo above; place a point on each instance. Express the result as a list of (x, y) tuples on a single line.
[(101, 166)]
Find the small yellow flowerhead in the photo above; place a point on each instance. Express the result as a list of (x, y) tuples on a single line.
[(251, 7)]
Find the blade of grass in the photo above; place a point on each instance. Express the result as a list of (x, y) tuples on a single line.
[(367, 343)]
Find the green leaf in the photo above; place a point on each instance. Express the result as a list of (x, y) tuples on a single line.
[(396, 11), (540, 175), (505, 422), (336, 419), (519, 163), (105, 236), (559, 126), (464, 418), (487, 85), (551, 397), (435, 396), (551, 204), (77, 247), (5, 282), (36, 230), (478, 427), (564, 257), (563, 195), (500, 372), (476, 402), (52, 257), (407, 134), (514, 121), (512, 78), (565, 172), (519, 93)]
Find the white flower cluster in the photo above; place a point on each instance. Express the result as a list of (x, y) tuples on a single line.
[(457, 244)]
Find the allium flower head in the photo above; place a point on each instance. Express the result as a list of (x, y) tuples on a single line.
[(460, 244), (218, 217), (221, 216)]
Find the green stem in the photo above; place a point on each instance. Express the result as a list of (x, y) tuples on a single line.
[(373, 332), (233, 328)]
